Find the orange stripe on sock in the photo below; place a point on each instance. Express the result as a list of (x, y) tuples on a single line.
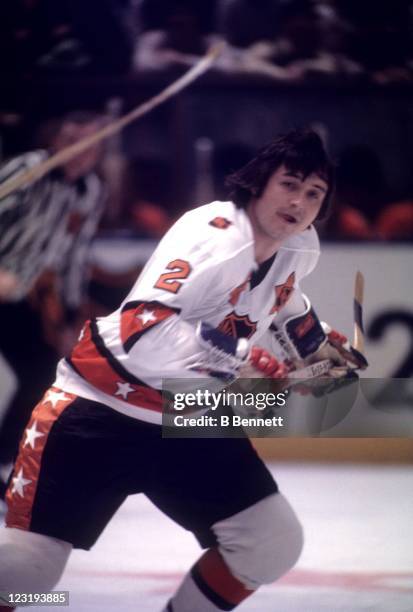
[(22, 489), (214, 571)]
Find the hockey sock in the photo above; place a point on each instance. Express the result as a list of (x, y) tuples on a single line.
[(208, 587)]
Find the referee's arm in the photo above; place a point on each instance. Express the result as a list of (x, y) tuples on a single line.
[(17, 228)]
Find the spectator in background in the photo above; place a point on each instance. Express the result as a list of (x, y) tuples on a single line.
[(146, 201), (66, 36), (26, 32), (308, 45), (103, 30), (395, 222), (151, 14), (361, 193), (45, 233), (379, 37), (150, 219), (245, 22), (363, 204), (227, 158), (179, 40), (145, 205), (150, 202), (288, 41)]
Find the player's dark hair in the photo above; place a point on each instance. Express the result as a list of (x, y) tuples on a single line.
[(300, 151)]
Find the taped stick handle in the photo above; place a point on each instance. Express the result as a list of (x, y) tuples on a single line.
[(314, 370), (71, 151)]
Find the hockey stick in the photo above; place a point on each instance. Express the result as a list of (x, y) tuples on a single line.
[(314, 370), (354, 351), (68, 153), (357, 347), (358, 342)]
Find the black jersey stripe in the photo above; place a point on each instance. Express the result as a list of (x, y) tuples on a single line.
[(154, 304)]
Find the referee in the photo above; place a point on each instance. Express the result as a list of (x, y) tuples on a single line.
[(45, 233)]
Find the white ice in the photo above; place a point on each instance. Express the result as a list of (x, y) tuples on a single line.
[(358, 555)]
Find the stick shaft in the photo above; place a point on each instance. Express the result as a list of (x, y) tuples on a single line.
[(358, 341), (314, 370)]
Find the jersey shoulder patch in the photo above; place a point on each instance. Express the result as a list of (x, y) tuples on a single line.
[(220, 222), (201, 240)]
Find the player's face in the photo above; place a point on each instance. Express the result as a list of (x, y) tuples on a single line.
[(287, 206)]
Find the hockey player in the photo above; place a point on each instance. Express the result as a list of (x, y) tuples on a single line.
[(222, 284)]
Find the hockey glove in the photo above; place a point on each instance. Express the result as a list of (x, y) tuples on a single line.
[(343, 347), (314, 350)]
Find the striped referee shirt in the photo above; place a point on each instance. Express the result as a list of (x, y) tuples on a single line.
[(48, 225)]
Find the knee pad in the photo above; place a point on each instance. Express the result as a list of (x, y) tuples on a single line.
[(261, 543), (30, 562)]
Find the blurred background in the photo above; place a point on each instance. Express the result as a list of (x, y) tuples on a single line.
[(343, 67)]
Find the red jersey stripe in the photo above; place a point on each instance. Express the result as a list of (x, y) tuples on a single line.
[(138, 317), (108, 377)]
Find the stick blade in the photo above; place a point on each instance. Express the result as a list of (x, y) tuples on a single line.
[(359, 287), (358, 342)]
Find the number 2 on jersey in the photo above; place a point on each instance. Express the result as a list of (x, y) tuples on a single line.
[(168, 280)]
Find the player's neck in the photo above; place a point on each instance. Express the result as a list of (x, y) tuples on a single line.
[(264, 250), (265, 246)]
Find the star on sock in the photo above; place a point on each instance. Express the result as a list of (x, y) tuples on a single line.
[(19, 482), (55, 396), (32, 434)]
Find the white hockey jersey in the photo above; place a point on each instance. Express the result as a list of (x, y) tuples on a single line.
[(203, 270)]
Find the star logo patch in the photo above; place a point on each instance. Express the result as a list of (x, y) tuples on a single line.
[(283, 293)]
